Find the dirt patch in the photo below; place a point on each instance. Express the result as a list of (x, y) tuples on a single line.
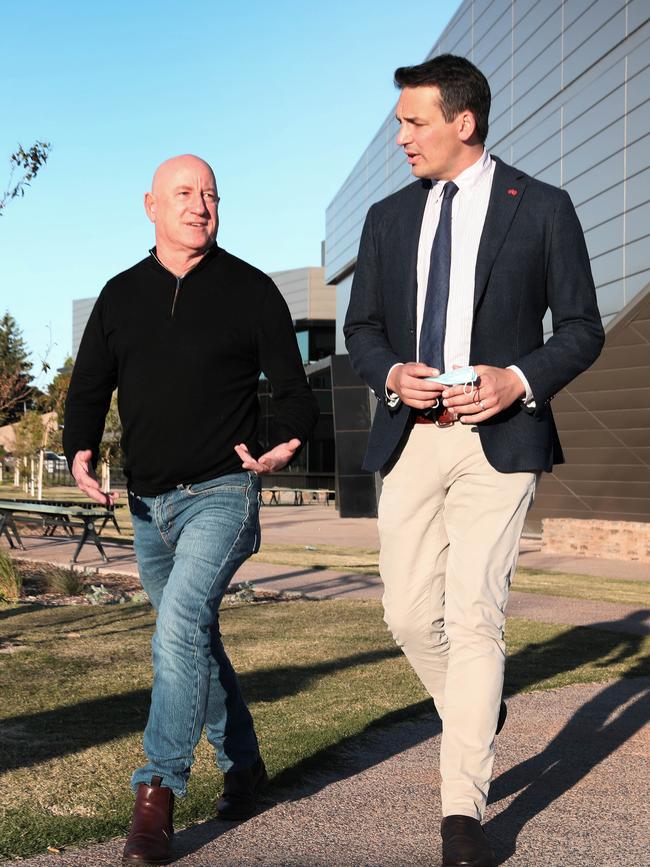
[(8, 647), (110, 588), (36, 586)]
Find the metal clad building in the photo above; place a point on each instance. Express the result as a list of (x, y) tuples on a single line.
[(81, 310), (570, 84)]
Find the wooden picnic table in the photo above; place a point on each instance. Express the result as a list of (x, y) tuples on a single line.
[(54, 514)]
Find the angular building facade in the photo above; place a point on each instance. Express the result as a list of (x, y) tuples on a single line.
[(81, 310), (570, 84)]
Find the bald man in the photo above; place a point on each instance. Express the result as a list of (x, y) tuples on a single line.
[(184, 336)]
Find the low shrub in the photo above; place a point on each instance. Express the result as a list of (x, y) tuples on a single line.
[(10, 579), (99, 595), (65, 581)]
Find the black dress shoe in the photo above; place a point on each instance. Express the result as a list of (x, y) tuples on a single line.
[(503, 713), (464, 843), (240, 791)]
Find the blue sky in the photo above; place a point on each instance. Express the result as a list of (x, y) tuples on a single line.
[(281, 97)]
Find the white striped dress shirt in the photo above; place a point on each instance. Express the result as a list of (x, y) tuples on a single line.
[(468, 210)]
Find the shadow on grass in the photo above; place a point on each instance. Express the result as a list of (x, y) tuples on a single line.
[(33, 738), (83, 619), (597, 644), (14, 610), (597, 729), (344, 583)]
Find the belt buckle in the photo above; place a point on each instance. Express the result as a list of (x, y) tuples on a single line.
[(445, 419)]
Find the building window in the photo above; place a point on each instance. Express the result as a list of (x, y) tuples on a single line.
[(303, 345)]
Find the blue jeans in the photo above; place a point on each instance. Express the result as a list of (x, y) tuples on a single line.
[(189, 542)]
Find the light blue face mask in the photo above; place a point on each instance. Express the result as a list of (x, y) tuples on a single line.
[(466, 376)]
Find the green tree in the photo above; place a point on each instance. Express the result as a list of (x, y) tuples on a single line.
[(54, 401), (15, 378), (31, 436), (110, 450), (15, 371), (28, 163)]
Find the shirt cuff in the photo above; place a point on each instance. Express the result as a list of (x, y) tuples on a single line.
[(392, 399), (528, 401)]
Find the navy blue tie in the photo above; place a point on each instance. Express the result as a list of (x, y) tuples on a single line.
[(434, 320)]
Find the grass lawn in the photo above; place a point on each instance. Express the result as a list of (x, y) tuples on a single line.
[(366, 561), (75, 685), (583, 587)]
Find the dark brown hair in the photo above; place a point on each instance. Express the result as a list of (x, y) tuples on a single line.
[(462, 87)]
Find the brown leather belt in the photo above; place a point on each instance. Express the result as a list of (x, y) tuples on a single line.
[(444, 418)]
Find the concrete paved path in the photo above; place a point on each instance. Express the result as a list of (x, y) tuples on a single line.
[(570, 788)]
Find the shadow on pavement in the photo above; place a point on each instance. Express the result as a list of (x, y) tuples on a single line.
[(594, 732), (596, 727), (381, 740)]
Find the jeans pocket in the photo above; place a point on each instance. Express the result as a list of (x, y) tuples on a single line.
[(235, 482), (138, 507), (254, 505), (258, 529)]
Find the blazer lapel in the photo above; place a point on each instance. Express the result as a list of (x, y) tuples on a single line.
[(508, 187), (410, 225)]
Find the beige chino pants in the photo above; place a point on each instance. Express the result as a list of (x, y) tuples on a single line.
[(449, 527)]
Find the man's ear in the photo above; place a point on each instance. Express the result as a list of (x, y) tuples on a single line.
[(150, 206), (466, 125)]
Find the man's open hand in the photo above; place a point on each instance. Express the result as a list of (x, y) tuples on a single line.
[(84, 476), (497, 389), (409, 384), (270, 462)]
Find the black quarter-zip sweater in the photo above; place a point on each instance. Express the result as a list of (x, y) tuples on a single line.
[(185, 355)]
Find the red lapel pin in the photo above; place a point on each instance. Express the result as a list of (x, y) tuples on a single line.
[(512, 191)]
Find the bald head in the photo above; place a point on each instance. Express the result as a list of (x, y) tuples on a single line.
[(182, 204), (167, 171)]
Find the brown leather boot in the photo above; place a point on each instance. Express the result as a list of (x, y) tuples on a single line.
[(150, 837)]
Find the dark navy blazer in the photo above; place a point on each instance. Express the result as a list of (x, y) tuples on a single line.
[(532, 256)]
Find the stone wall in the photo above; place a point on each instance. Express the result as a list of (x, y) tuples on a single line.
[(613, 540)]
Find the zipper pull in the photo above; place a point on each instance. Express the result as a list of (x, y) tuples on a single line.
[(176, 291)]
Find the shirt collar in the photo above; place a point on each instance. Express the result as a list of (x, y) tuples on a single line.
[(210, 253), (468, 179)]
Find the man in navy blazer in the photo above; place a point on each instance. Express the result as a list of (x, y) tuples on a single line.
[(454, 274)]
